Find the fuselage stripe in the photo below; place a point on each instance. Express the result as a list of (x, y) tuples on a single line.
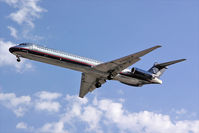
[(55, 57)]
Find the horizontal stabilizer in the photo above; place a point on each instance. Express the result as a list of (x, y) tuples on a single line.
[(158, 69), (163, 65)]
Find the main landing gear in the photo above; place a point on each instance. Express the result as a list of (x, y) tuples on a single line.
[(110, 76), (18, 59), (98, 84)]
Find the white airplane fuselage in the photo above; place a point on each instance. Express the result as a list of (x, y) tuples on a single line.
[(74, 62)]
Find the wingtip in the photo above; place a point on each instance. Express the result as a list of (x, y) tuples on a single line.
[(158, 46), (182, 60), (155, 47), (81, 96)]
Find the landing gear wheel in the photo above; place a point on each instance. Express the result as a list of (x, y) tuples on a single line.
[(110, 77), (18, 59), (98, 84)]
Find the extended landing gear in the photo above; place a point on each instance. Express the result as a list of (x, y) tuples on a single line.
[(18, 59), (110, 76), (98, 84)]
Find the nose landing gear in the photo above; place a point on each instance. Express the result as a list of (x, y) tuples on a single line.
[(18, 59)]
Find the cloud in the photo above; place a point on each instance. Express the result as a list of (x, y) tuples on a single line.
[(47, 106), (8, 59), (98, 114), (24, 126), (181, 111), (21, 125), (13, 31), (76, 99), (27, 11), (46, 101), (92, 116), (57, 127), (76, 109), (95, 115), (143, 121), (44, 95), (19, 105)]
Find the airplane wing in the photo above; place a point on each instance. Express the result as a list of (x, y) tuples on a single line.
[(88, 82), (116, 66)]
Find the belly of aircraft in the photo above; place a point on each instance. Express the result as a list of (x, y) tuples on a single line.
[(58, 62), (130, 81), (51, 61)]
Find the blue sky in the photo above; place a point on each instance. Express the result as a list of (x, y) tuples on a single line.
[(41, 98)]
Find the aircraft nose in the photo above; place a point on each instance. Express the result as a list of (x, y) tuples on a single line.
[(12, 49)]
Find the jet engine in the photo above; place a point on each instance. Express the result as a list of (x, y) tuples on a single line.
[(141, 73)]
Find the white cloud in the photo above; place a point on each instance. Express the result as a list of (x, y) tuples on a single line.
[(24, 126), (47, 106), (76, 99), (144, 121), (13, 31), (19, 105), (74, 108), (181, 111), (77, 108), (107, 113), (27, 11), (21, 125), (44, 95), (8, 59), (98, 115), (57, 127), (92, 116), (47, 101)]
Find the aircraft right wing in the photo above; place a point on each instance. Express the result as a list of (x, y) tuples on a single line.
[(116, 66), (89, 80)]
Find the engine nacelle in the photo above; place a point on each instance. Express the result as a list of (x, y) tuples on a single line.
[(141, 73)]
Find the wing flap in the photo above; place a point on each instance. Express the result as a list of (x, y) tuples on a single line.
[(88, 82)]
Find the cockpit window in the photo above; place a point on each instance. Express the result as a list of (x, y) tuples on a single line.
[(25, 44), (22, 44)]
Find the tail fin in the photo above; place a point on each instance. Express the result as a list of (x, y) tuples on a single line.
[(158, 69)]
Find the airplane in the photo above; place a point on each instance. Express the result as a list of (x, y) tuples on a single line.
[(96, 73)]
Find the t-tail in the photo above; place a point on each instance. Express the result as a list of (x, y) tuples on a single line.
[(158, 69)]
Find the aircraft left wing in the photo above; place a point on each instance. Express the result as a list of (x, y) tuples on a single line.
[(88, 82), (116, 66)]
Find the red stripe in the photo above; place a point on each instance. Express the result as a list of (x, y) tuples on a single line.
[(56, 56)]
